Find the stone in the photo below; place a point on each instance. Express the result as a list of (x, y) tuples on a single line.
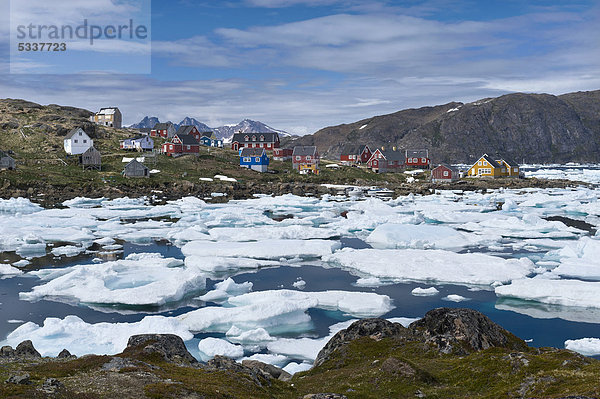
[(19, 379), (268, 370), (169, 346), (64, 354), (325, 396), (463, 331), (7, 351), (26, 350), (51, 385)]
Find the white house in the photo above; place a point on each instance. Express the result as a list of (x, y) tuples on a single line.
[(77, 142)]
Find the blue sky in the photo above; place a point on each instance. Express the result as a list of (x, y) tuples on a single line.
[(300, 65)]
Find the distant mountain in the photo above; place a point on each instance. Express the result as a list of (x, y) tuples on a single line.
[(529, 127), (223, 132), (246, 126), (187, 121), (148, 122)]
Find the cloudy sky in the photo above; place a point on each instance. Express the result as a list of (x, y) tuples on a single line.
[(300, 65)]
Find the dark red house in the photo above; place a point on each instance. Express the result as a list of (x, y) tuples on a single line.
[(417, 159), (189, 130), (353, 155), (282, 154), (268, 141), (185, 144), (165, 130), (444, 173), (385, 161)]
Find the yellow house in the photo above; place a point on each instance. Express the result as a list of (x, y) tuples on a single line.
[(509, 168), (485, 167), (308, 168)]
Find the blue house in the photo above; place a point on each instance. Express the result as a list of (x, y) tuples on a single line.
[(254, 158), (210, 140)]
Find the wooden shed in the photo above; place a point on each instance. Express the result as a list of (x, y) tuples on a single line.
[(91, 159), (6, 161), (136, 169)]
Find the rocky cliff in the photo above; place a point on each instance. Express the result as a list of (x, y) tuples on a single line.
[(522, 127)]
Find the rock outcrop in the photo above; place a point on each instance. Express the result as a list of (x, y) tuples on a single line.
[(169, 346)]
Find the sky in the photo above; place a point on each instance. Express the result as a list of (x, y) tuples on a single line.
[(301, 65)]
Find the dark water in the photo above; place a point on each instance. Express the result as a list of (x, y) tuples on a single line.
[(542, 332)]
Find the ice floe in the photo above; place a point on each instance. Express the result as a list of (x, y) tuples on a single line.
[(210, 347), (553, 291), (431, 265), (425, 291), (585, 346)]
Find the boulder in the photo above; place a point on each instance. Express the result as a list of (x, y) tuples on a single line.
[(463, 331), (267, 370), (169, 346), (64, 354), (324, 396), (25, 350), (19, 379), (376, 329)]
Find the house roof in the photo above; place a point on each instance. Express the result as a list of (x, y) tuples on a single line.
[(269, 137), (252, 152), (4, 154), (162, 125), (350, 149), (489, 160), (72, 133), (185, 130), (134, 163), (304, 150), (445, 165), (417, 154), (393, 155), (509, 162), (107, 111), (187, 139), (91, 150)]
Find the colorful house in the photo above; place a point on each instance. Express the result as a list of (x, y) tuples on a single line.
[(179, 145), (254, 158), (306, 158), (282, 154), (417, 159), (385, 161), (485, 167), (444, 174), (165, 130), (189, 130), (509, 168), (355, 155), (110, 117), (268, 141), (138, 143), (209, 139)]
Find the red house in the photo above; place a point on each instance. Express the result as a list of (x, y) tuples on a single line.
[(282, 154), (268, 141), (306, 157), (185, 144), (385, 161), (444, 174), (189, 130), (164, 130), (353, 155), (417, 159)]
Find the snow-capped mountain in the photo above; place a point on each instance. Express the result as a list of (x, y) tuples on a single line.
[(225, 132), (246, 126), (187, 121), (148, 122)]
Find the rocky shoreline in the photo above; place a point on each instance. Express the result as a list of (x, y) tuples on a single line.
[(50, 195), (457, 353)]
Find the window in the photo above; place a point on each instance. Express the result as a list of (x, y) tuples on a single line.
[(480, 163), (445, 173), (247, 159), (188, 147), (253, 138), (308, 157), (84, 141), (261, 145), (424, 160), (80, 133), (503, 170), (75, 141), (257, 159), (515, 169), (171, 147), (262, 138), (298, 158), (485, 163)]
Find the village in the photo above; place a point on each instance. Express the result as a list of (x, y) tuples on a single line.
[(256, 150)]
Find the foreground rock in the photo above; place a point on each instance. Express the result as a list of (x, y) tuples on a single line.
[(450, 353)]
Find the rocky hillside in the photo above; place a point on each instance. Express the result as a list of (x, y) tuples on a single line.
[(450, 353), (524, 127)]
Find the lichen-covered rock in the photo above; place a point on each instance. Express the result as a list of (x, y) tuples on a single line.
[(373, 328), (324, 396), (25, 350), (19, 379), (463, 331), (169, 346), (64, 354)]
